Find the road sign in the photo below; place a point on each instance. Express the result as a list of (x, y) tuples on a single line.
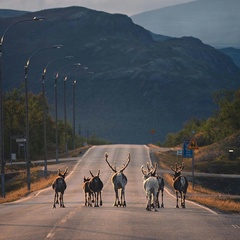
[(187, 153), (193, 145), (21, 140), (179, 152)]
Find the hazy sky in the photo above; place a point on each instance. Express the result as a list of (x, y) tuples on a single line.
[(129, 7)]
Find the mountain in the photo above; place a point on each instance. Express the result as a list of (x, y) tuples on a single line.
[(215, 22), (11, 13), (141, 81)]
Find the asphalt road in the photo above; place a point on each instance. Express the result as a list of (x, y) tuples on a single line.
[(34, 217)]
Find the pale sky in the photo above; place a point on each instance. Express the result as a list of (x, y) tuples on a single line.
[(128, 7)]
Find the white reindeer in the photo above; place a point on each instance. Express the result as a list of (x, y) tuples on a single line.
[(150, 185), (119, 181), (152, 171)]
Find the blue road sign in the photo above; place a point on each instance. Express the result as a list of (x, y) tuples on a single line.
[(187, 153)]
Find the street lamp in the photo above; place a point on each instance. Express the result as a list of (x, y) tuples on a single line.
[(26, 107), (74, 90), (44, 113), (65, 110), (1, 101), (74, 107)]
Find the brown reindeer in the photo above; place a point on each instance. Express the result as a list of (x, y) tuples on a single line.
[(95, 185), (87, 192), (59, 186), (180, 184), (119, 181)]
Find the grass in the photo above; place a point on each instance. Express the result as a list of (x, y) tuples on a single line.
[(207, 192), (16, 188), (16, 178)]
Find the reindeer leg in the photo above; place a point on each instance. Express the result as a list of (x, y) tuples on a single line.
[(148, 208), (100, 193), (116, 198), (162, 205), (57, 198), (177, 200), (97, 195), (158, 205), (54, 200), (61, 200), (123, 195), (155, 200), (183, 203)]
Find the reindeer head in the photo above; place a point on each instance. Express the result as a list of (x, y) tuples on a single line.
[(150, 172), (178, 170), (86, 179), (63, 175)]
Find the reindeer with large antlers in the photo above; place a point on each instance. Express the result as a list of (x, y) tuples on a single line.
[(119, 181), (180, 184), (59, 186)]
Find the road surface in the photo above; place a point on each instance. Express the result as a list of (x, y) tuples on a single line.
[(34, 217)]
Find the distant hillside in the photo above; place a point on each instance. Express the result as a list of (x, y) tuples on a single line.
[(138, 83), (11, 13), (233, 53), (215, 22)]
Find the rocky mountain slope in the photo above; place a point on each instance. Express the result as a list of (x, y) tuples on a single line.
[(139, 83)]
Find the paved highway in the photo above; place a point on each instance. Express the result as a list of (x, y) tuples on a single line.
[(34, 217)]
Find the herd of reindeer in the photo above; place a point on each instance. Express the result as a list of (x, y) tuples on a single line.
[(153, 185)]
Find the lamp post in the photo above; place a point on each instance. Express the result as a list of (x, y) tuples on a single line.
[(1, 101), (74, 90), (26, 107), (44, 112), (65, 110), (74, 108)]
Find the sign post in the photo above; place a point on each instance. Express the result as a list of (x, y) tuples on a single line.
[(192, 146)]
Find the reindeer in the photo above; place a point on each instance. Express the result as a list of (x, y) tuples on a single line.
[(119, 182), (95, 185), (180, 184), (152, 171), (59, 186), (87, 191), (150, 185)]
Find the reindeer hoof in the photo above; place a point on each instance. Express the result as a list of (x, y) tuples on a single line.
[(148, 209), (177, 206)]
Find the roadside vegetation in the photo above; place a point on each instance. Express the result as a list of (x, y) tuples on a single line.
[(218, 138), (217, 193)]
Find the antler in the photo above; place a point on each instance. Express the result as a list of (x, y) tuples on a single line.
[(148, 167), (143, 171), (125, 166), (178, 168), (154, 169), (113, 169), (175, 167), (91, 174)]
